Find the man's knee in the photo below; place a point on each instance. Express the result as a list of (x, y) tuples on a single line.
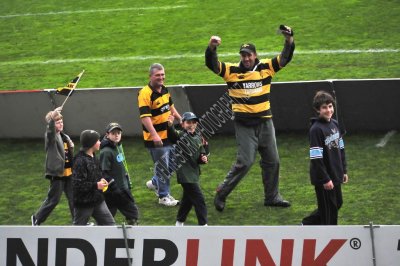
[(270, 163)]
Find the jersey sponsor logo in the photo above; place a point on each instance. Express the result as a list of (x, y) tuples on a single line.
[(164, 108), (252, 85)]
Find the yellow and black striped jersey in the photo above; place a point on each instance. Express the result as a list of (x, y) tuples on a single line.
[(156, 106), (68, 162), (250, 89)]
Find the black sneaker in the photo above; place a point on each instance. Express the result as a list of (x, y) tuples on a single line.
[(281, 203), (34, 221)]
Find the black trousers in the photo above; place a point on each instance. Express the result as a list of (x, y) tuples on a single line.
[(123, 201), (192, 196), (329, 203), (57, 187)]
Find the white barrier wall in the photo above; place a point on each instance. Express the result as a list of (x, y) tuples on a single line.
[(195, 246)]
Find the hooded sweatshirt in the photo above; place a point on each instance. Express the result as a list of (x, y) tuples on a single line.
[(112, 163), (327, 156)]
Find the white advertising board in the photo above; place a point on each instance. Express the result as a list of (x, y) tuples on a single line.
[(197, 246)]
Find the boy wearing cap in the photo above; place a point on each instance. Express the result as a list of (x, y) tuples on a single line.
[(192, 148), (88, 184), (114, 167), (249, 84), (59, 152)]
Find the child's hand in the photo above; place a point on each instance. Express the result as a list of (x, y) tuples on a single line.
[(102, 184), (329, 185), (58, 109), (204, 158), (171, 119)]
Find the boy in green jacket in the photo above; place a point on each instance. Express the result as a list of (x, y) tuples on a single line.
[(191, 147), (114, 167)]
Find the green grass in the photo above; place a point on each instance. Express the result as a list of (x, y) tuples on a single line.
[(370, 195), (116, 48), (27, 42)]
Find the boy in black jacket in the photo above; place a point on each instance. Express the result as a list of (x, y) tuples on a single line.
[(191, 147), (114, 167), (327, 162), (88, 184)]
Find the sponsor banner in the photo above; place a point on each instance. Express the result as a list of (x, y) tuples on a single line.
[(195, 245)]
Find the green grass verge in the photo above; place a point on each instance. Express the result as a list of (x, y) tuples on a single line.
[(370, 195)]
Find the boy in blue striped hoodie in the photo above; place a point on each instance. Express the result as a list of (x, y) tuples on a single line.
[(327, 162)]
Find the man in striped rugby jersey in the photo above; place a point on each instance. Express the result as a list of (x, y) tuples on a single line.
[(249, 84), (155, 106)]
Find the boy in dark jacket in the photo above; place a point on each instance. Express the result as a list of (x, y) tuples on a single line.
[(88, 184), (59, 152), (190, 145), (114, 167), (327, 162)]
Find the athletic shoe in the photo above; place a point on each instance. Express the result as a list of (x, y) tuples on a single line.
[(151, 186), (172, 198), (178, 223), (219, 203), (280, 203), (34, 221), (131, 221), (166, 201)]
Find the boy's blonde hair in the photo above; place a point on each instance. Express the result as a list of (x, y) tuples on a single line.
[(57, 116)]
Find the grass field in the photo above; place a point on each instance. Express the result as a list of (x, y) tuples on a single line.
[(372, 193), (45, 44)]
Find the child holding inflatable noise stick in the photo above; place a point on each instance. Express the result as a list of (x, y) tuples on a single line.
[(88, 184), (188, 173)]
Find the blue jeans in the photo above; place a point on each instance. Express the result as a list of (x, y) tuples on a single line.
[(162, 170)]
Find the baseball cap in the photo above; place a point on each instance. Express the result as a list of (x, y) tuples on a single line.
[(189, 116), (113, 125), (247, 48)]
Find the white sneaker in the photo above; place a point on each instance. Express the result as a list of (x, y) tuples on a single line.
[(172, 198), (149, 185), (167, 201), (178, 223)]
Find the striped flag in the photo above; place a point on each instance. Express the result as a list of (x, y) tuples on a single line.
[(68, 90)]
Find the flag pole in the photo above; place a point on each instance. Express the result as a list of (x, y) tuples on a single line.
[(73, 88)]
